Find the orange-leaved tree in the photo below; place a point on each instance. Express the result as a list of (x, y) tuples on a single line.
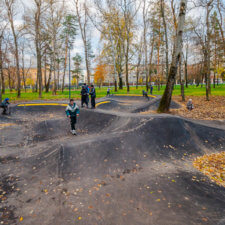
[(99, 75)]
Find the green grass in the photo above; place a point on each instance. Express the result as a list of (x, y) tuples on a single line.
[(190, 91)]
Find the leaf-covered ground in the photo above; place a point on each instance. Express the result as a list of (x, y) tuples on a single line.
[(203, 110), (212, 166)]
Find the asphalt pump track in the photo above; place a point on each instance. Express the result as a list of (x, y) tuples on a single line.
[(123, 168)]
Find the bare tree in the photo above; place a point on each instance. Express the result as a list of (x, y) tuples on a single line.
[(83, 25), (145, 30), (10, 6), (3, 25), (221, 9), (56, 13), (162, 4), (139, 51), (129, 10)]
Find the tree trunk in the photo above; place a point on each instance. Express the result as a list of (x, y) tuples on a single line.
[(1, 71), (145, 45), (58, 75), (87, 63), (166, 37), (206, 74), (220, 23), (54, 67), (65, 64), (181, 79), (186, 67), (207, 52), (186, 74), (23, 71), (150, 60), (17, 69), (45, 73), (214, 80), (38, 49), (158, 82), (127, 72), (83, 28), (9, 78), (115, 83), (11, 20), (166, 99), (120, 81), (24, 80), (49, 79), (137, 78)]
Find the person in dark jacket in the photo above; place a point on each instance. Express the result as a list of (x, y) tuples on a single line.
[(5, 106), (93, 96), (72, 111), (145, 94), (151, 90), (108, 92), (88, 91), (84, 96)]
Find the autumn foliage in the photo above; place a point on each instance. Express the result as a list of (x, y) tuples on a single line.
[(213, 166), (99, 76)]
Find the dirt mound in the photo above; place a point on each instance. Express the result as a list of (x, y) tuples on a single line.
[(153, 106)]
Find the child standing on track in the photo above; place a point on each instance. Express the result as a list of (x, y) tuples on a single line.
[(72, 111)]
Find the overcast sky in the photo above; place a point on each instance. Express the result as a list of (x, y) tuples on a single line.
[(95, 36)]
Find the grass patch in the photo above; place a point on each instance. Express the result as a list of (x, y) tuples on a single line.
[(75, 93)]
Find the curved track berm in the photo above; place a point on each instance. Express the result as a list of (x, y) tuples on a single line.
[(135, 104), (122, 168)]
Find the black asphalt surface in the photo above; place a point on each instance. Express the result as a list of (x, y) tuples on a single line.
[(123, 168), (134, 104)]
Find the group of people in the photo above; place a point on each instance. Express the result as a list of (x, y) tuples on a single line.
[(73, 111), (87, 91)]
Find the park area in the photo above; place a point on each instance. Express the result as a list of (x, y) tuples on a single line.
[(127, 165), (112, 112)]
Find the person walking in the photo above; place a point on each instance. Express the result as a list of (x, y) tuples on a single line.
[(108, 92), (93, 96), (84, 96), (88, 91), (72, 111), (151, 90), (5, 105)]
